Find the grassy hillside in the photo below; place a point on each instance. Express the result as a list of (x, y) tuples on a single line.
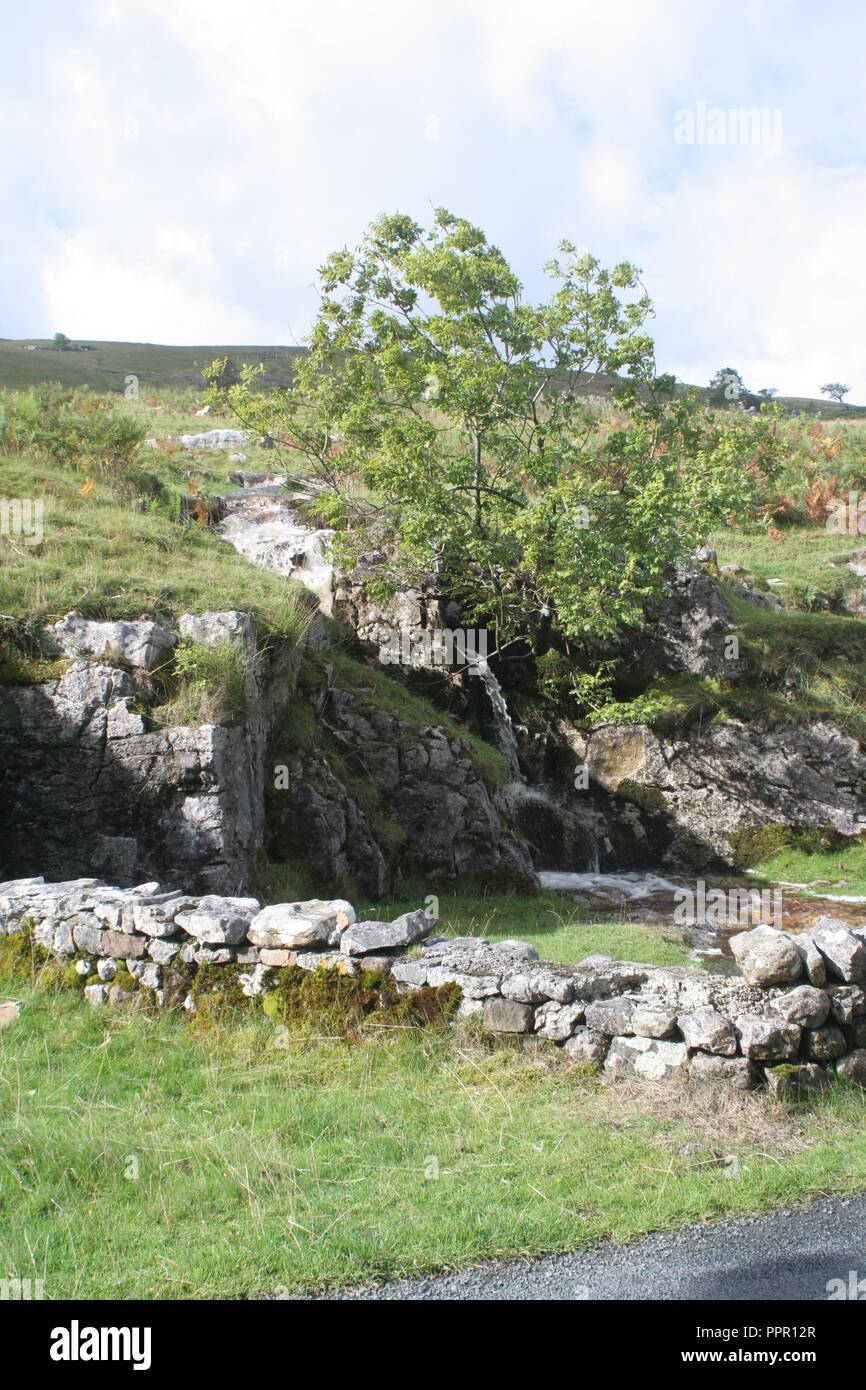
[(104, 367)]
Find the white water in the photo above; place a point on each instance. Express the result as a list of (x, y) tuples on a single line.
[(614, 887), (263, 528), (505, 736)]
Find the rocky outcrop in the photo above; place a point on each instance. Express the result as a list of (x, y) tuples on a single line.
[(636, 1020), (87, 784), (383, 793)]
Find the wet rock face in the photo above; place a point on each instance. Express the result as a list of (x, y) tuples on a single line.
[(431, 808)]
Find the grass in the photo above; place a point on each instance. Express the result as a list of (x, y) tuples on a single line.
[(105, 366), (139, 1159), (837, 872), (107, 554)]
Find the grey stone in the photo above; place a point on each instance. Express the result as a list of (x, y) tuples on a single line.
[(847, 1002), (365, 937), (648, 1021), (824, 1044), (610, 1016), (219, 921), (766, 956), (805, 1005), (768, 1039), (844, 953), (507, 1016), (106, 969), (733, 1071), (651, 1058), (585, 1045), (853, 1067), (95, 994), (558, 1021), (295, 926), (162, 951), (813, 961), (140, 644), (706, 1030), (87, 934), (156, 916)]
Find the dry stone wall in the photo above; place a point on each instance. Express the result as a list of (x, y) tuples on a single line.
[(795, 1015)]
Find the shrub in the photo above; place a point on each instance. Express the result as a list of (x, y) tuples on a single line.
[(75, 428), (209, 685)]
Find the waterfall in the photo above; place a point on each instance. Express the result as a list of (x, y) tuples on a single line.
[(262, 527), (504, 729)]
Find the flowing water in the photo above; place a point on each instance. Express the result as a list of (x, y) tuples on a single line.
[(262, 526)]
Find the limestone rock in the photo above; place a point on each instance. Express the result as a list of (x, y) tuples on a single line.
[(766, 956), (155, 916), (734, 1071), (140, 644), (768, 1039), (843, 951), (647, 1057), (296, 926), (847, 1002), (366, 937), (813, 961), (217, 921), (585, 1045), (853, 1067), (648, 1021), (824, 1044), (706, 1030), (558, 1021), (95, 994), (805, 1005), (610, 1016), (507, 1016)]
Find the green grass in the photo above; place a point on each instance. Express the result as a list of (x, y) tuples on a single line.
[(840, 871), (106, 366), (109, 555), (809, 560), (139, 1160)]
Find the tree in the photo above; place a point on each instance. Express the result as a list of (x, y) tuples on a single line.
[(727, 387), (452, 420), (768, 392), (837, 391), (61, 342)]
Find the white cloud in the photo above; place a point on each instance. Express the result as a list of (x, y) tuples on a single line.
[(181, 167)]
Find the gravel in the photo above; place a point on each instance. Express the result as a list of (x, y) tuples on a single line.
[(788, 1254)]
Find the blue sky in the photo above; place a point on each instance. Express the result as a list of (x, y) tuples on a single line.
[(175, 171)]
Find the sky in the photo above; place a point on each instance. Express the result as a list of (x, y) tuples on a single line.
[(176, 171)]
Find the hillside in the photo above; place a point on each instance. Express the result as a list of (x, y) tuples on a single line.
[(105, 366)]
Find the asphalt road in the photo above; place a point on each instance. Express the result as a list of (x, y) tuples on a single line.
[(783, 1255)]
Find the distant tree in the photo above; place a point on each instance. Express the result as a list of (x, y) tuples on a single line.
[(727, 386), (223, 373), (767, 393), (836, 390), (61, 342)]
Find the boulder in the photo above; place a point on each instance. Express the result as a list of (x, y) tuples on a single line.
[(558, 1021), (766, 957), (124, 946), (734, 1071), (585, 1045), (768, 1039), (646, 1057), (217, 921), (791, 1080), (853, 1067), (298, 926), (706, 1030), (507, 1016), (610, 1016), (843, 951), (366, 937), (805, 1005), (824, 1044), (137, 645), (648, 1021)]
